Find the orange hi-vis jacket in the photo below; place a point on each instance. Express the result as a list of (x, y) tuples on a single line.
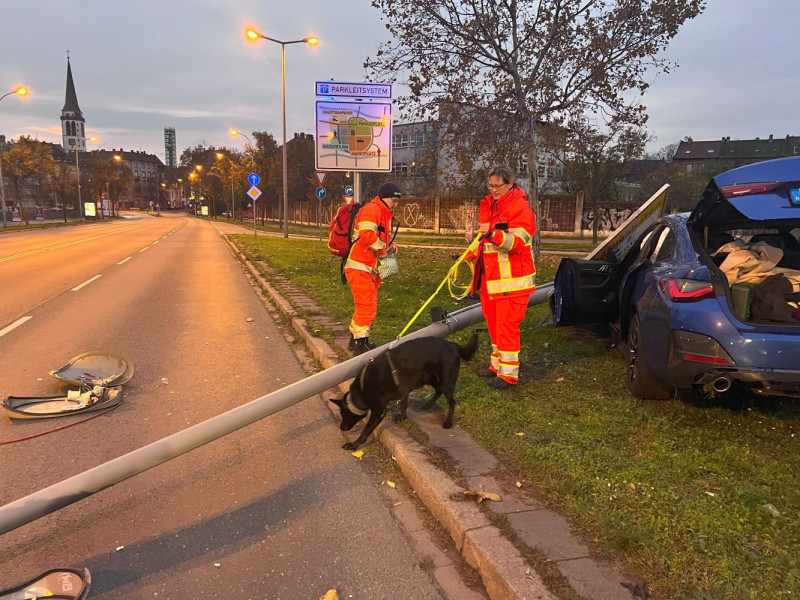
[(505, 257), (372, 226)]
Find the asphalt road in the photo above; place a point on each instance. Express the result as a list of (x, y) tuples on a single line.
[(276, 510)]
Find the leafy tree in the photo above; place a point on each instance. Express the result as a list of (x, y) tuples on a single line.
[(27, 158), (103, 175), (267, 160), (597, 158), (300, 169), (490, 73), (64, 185), (685, 189), (119, 178)]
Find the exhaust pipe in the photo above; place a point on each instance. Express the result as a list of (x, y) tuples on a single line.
[(721, 384)]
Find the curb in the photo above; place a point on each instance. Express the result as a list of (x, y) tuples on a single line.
[(505, 573), (502, 568)]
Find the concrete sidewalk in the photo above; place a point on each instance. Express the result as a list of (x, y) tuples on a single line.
[(540, 534)]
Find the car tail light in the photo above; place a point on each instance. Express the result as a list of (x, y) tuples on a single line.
[(714, 360), (685, 290), (733, 191)]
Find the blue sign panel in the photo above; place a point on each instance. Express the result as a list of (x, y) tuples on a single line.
[(253, 179), (794, 194), (348, 190), (320, 193)]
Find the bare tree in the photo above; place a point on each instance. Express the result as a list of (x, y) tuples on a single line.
[(665, 153), (490, 73), (597, 158)]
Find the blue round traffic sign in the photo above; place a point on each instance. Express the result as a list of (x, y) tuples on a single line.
[(254, 179), (320, 193), (348, 190)]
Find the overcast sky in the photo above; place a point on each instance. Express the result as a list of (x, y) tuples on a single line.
[(141, 65)]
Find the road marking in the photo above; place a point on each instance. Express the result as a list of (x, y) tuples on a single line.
[(154, 243), (124, 260), (85, 283), (145, 248), (14, 325), (81, 241)]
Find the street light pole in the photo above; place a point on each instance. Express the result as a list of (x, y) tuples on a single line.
[(80, 204), (311, 41), (220, 156), (20, 91), (285, 168)]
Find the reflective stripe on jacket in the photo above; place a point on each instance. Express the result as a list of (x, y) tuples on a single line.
[(372, 228), (506, 256)]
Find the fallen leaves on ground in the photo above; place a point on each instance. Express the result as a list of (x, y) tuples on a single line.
[(480, 495)]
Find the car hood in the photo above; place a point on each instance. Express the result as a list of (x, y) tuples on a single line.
[(768, 191)]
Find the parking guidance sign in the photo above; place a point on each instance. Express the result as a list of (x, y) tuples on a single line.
[(353, 136)]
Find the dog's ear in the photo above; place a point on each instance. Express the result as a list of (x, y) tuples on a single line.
[(340, 402)]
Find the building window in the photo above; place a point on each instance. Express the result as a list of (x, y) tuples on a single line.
[(400, 169), (400, 141)]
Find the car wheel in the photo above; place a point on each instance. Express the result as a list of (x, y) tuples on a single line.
[(641, 382)]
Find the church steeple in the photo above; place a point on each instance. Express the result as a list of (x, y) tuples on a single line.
[(73, 132)]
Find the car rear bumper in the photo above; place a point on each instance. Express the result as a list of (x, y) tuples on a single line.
[(713, 369), (764, 382)]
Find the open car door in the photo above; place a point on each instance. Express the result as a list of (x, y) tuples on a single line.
[(585, 291)]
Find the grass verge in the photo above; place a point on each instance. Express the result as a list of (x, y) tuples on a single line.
[(701, 498)]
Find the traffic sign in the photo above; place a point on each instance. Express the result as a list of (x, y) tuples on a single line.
[(352, 89), (320, 176), (320, 193), (348, 190), (253, 179), (254, 192)]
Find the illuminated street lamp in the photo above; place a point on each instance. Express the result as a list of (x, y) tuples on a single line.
[(311, 41), (235, 132), (20, 91)]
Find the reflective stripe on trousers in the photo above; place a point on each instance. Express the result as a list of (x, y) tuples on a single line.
[(364, 287), (503, 318)]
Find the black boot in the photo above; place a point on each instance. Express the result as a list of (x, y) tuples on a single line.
[(351, 345), (362, 345)]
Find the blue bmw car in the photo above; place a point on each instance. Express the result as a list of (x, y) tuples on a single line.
[(707, 298)]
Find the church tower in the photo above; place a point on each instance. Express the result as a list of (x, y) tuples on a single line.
[(73, 133)]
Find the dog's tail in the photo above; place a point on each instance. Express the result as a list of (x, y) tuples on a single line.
[(468, 351)]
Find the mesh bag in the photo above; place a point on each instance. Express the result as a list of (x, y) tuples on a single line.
[(388, 266)]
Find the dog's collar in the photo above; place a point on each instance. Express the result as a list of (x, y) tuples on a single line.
[(359, 412)]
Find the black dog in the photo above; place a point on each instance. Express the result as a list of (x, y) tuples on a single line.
[(394, 374)]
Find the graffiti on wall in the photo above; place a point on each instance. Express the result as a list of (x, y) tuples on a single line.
[(413, 216), (609, 218)]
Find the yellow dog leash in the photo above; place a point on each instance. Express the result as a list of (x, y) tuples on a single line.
[(451, 279)]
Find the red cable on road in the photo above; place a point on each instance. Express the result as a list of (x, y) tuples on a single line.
[(35, 435)]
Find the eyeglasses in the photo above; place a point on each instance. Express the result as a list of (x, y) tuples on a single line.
[(492, 186)]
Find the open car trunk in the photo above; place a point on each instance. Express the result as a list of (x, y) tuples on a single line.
[(748, 234)]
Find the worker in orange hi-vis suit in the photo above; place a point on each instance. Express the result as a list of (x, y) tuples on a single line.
[(505, 272), (372, 228)]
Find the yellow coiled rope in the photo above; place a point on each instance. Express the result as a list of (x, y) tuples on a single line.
[(451, 279)]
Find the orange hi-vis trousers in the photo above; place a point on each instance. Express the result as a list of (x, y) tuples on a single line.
[(503, 318), (364, 287)]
